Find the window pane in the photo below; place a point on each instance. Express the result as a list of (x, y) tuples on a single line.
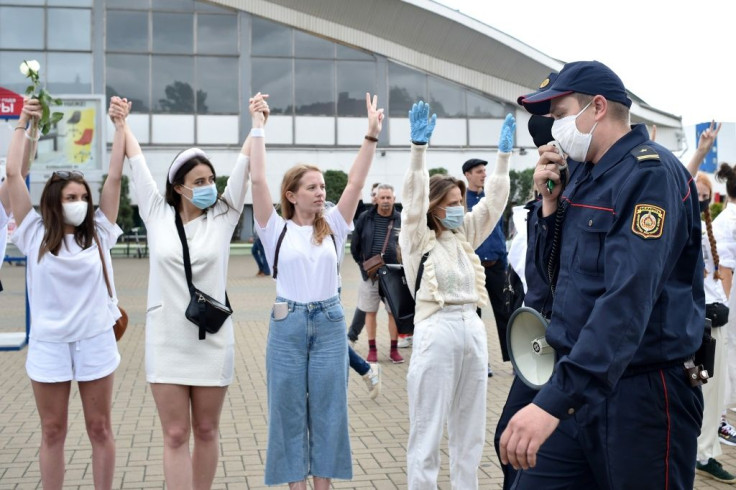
[(69, 73), (206, 7), (406, 86), (345, 53), (270, 39), (69, 3), (354, 79), (173, 33), (127, 31), (217, 91), (24, 2), (131, 4), (217, 34), (173, 84), (273, 77), (60, 36), (315, 87), (21, 28), (182, 5), (446, 99), (308, 46), (479, 106), (127, 76), (12, 78)]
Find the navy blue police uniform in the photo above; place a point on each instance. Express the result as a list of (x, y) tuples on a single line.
[(628, 312)]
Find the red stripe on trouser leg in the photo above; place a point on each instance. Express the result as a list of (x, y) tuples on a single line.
[(667, 453)]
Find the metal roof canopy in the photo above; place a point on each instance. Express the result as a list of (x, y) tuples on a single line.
[(433, 38)]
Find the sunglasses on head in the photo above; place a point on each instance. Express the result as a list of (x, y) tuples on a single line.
[(68, 174)]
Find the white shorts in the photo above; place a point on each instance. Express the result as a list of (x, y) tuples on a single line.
[(84, 360), (369, 298)]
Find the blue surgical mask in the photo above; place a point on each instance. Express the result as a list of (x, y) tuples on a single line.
[(203, 197), (454, 216)]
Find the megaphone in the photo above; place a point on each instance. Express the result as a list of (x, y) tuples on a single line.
[(533, 359)]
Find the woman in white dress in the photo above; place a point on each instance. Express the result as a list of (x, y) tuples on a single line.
[(307, 350), (72, 313), (188, 376)]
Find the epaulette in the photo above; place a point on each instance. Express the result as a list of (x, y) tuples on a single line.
[(644, 153)]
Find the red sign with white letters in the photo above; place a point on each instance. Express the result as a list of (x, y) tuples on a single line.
[(11, 104)]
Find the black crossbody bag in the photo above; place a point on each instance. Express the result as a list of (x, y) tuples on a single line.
[(203, 310)]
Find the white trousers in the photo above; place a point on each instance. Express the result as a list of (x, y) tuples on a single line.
[(714, 398), (447, 383)]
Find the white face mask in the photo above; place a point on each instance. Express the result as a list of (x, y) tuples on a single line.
[(74, 212), (574, 143)]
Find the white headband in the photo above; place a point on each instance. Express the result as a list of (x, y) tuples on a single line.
[(183, 158)]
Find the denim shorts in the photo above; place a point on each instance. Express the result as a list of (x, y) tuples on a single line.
[(307, 384)]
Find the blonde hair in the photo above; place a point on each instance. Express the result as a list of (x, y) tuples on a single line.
[(705, 181), (291, 182)]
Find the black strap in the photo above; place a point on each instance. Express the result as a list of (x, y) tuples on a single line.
[(420, 273), (388, 235), (278, 248), (188, 270)]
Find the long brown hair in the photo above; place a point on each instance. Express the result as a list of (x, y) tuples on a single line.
[(439, 186), (52, 215), (291, 183), (705, 181), (173, 198)]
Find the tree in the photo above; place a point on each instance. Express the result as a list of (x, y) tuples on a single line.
[(437, 170), (220, 184), (125, 213), (335, 182)]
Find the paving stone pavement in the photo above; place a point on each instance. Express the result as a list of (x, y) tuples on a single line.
[(378, 429)]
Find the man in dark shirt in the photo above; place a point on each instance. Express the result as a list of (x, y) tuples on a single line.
[(376, 233)]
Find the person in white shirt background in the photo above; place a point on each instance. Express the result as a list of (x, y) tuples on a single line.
[(188, 376), (307, 352), (448, 374), (72, 313)]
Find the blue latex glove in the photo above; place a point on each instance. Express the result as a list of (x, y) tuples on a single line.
[(422, 125), (506, 141)]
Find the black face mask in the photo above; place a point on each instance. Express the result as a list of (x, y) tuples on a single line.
[(540, 128), (704, 205)]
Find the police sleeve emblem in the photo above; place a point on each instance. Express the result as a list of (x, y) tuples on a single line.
[(648, 221)]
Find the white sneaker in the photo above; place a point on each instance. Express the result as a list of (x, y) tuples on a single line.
[(404, 342), (727, 433), (373, 380)]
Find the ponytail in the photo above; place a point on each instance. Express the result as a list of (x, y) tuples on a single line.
[(712, 241), (727, 174)]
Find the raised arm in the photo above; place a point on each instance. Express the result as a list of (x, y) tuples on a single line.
[(255, 144), (16, 170), (110, 196), (29, 152), (359, 171), (705, 143)]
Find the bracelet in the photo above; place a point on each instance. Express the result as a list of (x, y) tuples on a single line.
[(371, 138), (28, 136), (257, 133), (20, 127)]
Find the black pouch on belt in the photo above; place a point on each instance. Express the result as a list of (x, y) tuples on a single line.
[(705, 357)]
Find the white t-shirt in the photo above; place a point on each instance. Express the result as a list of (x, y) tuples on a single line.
[(714, 292), (67, 292), (3, 233), (306, 272)]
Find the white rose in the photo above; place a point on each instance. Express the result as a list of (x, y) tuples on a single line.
[(29, 66), (34, 65), (24, 69)]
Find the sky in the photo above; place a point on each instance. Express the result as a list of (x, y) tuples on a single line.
[(678, 56)]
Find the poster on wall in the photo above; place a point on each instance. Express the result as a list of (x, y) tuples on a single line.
[(77, 140)]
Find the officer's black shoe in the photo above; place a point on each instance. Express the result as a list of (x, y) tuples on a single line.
[(490, 372), (714, 469)]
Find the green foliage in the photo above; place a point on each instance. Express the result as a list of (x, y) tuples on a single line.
[(221, 183), (521, 186), (437, 170), (125, 212), (715, 209), (335, 182), (48, 118)]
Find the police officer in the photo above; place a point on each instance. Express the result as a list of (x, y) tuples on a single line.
[(619, 411)]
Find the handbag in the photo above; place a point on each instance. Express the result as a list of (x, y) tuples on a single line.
[(717, 313), (203, 310), (121, 323), (401, 301), (372, 264)]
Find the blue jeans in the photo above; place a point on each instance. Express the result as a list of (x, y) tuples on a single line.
[(260, 255), (358, 363), (307, 394)]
